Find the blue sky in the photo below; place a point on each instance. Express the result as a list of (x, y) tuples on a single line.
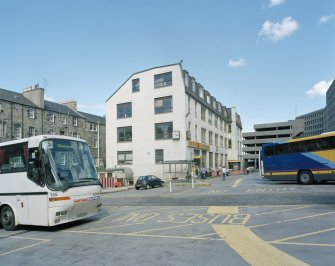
[(273, 60)]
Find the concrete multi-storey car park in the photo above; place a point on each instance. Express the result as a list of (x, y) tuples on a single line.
[(267, 133), (28, 114), (162, 114)]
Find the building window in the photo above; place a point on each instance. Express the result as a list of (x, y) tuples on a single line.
[(136, 85), (215, 121), (31, 112), (201, 93), (3, 130), (196, 132), (210, 137), (17, 131), (124, 134), (203, 135), (62, 132), (51, 116), (210, 117), (163, 130), (163, 105), (32, 131), (195, 109), (93, 127), (95, 143), (229, 144), (229, 128), (163, 80), (124, 110), (51, 132), (76, 135), (63, 120), (75, 121), (1, 110), (203, 113), (124, 157), (159, 156)]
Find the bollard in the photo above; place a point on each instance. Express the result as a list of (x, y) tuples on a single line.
[(170, 183)]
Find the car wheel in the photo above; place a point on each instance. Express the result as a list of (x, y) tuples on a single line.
[(147, 186), (7, 218), (305, 177), (137, 188)]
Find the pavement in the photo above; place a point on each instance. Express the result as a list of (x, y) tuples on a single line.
[(179, 182)]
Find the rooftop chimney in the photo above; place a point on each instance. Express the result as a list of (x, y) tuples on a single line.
[(35, 95), (71, 104)]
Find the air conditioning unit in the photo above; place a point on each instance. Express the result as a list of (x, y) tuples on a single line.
[(188, 134)]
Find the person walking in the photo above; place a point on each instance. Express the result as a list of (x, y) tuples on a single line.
[(223, 173)]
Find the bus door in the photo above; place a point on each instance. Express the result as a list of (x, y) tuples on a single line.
[(38, 209)]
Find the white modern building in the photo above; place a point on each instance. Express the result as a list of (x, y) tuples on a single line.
[(161, 118)]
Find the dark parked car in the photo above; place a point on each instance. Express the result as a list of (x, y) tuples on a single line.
[(148, 181)]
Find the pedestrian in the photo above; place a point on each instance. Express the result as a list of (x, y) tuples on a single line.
[(203, 173), (197, 171), (223, 173)]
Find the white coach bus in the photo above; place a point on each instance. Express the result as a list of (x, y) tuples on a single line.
[(46, 181)]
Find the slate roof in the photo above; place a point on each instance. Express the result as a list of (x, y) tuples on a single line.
[(60, 108), (94, 118), (15, 97)]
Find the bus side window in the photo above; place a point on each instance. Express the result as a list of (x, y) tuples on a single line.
[(311, 145), (269, 151)]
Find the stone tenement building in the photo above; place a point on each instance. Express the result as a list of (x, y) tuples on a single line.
[(27, 114)]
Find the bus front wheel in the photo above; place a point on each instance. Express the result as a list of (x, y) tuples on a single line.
[(7, 218), (305, 177)]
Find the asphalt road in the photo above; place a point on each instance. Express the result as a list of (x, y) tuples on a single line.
[(241, 221), (235, 190)]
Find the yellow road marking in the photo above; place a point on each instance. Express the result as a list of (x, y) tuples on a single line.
[(304, 244), (292, 220), (237, 183), (19, 249), (159, 229), (222, 210), (303, 235), (105, 227), (145, 235), (297, 208), (253, 249)]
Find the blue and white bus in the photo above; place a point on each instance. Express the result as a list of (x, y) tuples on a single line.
[(46, 181), (304, 160)]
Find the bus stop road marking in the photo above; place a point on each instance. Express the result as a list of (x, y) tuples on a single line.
[(159, 229), (303, 244), (294, 219), (253, 249), (147, 235), (222, 210), (236, 183), (303, 235), (42, 241), (286, 210)]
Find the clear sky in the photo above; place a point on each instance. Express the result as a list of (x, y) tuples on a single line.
[(272, 60)]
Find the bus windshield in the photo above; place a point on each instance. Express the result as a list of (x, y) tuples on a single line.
[(68, 164)]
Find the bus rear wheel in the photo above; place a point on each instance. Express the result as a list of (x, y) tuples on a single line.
[(305, 177), (7, 218)]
